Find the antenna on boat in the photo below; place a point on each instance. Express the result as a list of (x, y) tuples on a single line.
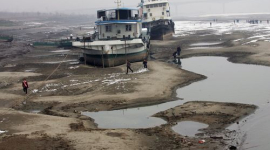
[(118, 2)]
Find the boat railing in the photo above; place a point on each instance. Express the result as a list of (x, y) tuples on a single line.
[(113, 18)]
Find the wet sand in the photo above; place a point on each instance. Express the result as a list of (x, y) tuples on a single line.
[(76, 88)]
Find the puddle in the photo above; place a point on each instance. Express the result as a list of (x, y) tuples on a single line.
[(194, 48), (189, 128), (226, 82), (131, 118), (206, 43)]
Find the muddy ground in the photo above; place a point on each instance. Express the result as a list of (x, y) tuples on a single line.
[(73, 87)]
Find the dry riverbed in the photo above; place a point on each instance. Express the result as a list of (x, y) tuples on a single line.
[(50, 118)]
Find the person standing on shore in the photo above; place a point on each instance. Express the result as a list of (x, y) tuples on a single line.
[(128, 67), (145, 63), (179, 51), (25, 86)]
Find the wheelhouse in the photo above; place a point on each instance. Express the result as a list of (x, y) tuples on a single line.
[(119, 23)]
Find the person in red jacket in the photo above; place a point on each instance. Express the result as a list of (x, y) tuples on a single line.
[(25, 86)]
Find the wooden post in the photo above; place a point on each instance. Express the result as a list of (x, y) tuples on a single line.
[(102, 58), (84, 42), (126, 48), (85, 60)]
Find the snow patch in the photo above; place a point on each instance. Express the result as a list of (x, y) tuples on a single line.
[(141, 70), (60, 51), (58, 62), (253, 41), (206, 44), (76, 67), (35, 91), (52, 90), (2, 131), (194, 48), (111, 82), (261, 31), (73, 80), (238, 40)]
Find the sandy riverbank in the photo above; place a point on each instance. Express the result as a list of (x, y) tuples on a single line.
[(75, 87)]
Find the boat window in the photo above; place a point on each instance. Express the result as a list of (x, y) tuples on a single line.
[(156, 5), (164, 4), (160, 5), (163, 13), (149, 10), (101, 14), (151, 14), (112, 15), (108, 28), (151, 6), (147, 6), (145, 15), (128, 27)]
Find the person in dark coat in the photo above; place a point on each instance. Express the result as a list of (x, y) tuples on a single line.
[(174, 55), (25, 86), (128, 67), (145, 63), (179, 51)]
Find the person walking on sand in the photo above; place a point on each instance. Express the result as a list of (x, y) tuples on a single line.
[(128, 67), (145, 63), (25, 86)]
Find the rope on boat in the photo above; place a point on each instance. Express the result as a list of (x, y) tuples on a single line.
[(42, 83)]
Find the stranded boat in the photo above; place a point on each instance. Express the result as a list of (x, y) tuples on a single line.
[(156, 16), (118, 37), (6, 38)]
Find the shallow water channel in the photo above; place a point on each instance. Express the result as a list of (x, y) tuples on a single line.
[(226, 82)]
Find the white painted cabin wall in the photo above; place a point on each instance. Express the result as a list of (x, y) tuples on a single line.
[(134, 33), (156, 11)]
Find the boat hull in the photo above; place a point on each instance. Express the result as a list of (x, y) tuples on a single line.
[(162, 32), (6, 39), (112, 60), (113, 53), (159, 30)]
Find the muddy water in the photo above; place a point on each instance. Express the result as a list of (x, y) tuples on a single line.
[(227, 82), (193, 128), (131, 118)]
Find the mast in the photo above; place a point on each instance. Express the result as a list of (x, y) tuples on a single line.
[(118, 2)]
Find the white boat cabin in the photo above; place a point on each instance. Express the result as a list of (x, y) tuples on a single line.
[(154, 10), (119, 23)]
